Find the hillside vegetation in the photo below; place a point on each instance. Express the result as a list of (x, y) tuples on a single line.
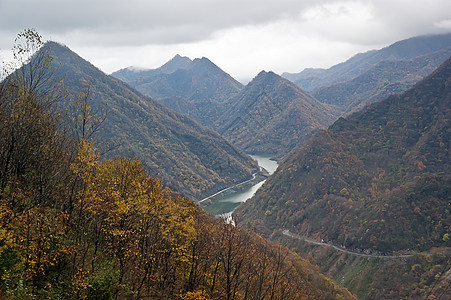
[(376, 182), (379, 179), (73, 226), (188, 158), (421, 276), (271, 115)]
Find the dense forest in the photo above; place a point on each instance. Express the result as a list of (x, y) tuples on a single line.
[(376, 182), (378, 179), (76, 225)]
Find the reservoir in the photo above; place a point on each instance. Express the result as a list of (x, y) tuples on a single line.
[(224, 206), (265, 162)]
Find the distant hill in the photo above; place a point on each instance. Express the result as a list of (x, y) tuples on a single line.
[(384, 79), (195, 88), (187, 157), (271, 115), (132, 74), (312, 79), (379, 179)]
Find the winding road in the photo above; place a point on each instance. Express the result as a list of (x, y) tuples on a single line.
[(298, 237), (229, 188)]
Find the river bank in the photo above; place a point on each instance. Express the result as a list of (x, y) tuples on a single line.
[(224, 202)]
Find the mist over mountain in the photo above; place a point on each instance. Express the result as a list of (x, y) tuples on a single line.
[(312, 79), (196, 88), (382, 80), (188, 157)]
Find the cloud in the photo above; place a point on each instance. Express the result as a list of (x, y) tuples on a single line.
[(141, 22), (241, 36)]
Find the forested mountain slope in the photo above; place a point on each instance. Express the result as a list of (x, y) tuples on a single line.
[(196, 88), (74, 226), (378, 179), (377, 182), (187, 157), (272, 116)]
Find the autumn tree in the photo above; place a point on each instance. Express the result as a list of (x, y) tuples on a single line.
[(76, 226), (35, 155), (147, 231)]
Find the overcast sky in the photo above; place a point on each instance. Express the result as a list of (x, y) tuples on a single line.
[(242, 37)]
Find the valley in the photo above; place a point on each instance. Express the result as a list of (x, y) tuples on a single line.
[(180, 182), (359, 184), (353, 164), (79, 224)]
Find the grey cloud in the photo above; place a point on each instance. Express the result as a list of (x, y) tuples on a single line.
[(277, 33), (141, 22), (163, 21)]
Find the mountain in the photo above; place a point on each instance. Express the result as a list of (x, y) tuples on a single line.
[(132, 74), (312, 79), (272, 116), (378, 179), (384, 79), (196, 88), (74, 226), (376, 182), (187, 157)]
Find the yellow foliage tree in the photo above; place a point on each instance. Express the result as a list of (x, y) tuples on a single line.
[(145, 227)]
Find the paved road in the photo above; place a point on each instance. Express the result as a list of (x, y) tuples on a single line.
[(229, 188), (298, 237)]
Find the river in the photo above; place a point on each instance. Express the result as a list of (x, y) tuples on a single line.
[(224, 206)]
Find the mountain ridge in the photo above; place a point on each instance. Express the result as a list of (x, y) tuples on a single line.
[(353, 172), (380, 81), (196, 88), (312, 79), (271, 115), (377, 181), (186, 156)]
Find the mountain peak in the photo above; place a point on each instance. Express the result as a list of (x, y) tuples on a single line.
[(204, 62), (54, 44), (57, 47), (313, 79), (265, 74), (176, 63), (179, 58), (137, 133), (272, 115), (402, 132), (202, 59), (265, 77)]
